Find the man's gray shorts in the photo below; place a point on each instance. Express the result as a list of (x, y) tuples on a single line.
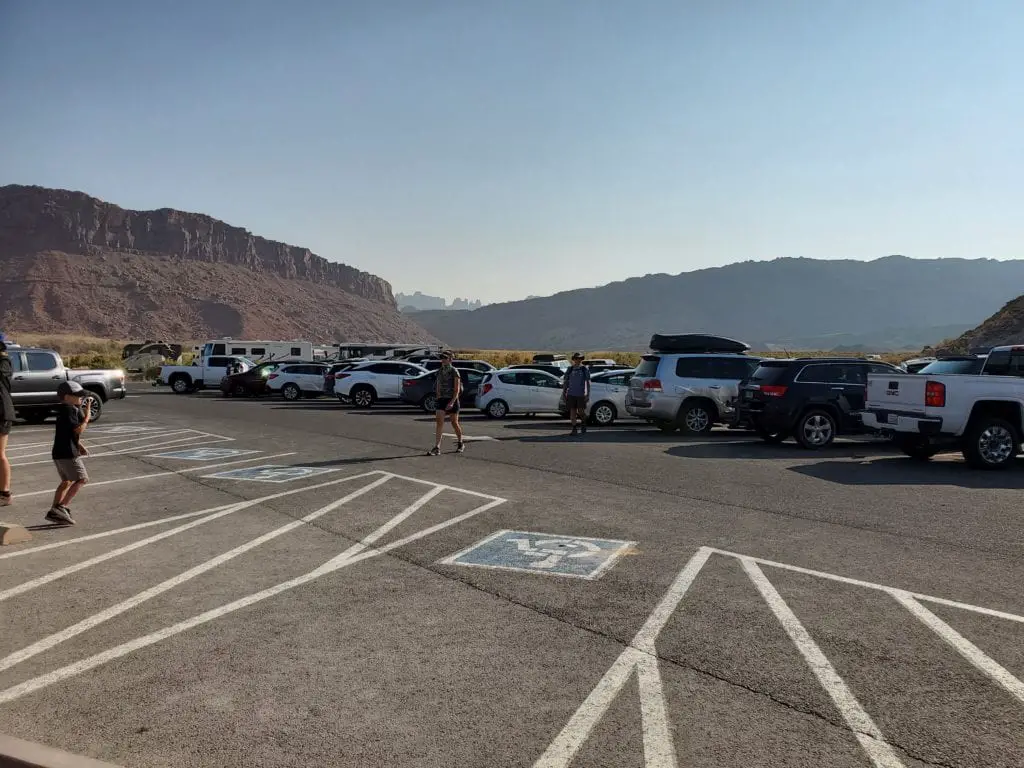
[(71, 470)]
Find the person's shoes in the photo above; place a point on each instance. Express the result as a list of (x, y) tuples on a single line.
[(460, 447), (574, 432), (60, 515), (435, 451), (6, 499), (583, 429)]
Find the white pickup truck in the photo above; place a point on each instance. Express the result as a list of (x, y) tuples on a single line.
[(981, 415), (200, 375)]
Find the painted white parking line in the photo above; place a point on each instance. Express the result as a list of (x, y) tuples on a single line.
[(189, 440), (40, 430), (641, 656), (858, 720), (214, 515), (574, 735), (345, 559), (112, 443), (166, 473), (115, 610), (964, 647)]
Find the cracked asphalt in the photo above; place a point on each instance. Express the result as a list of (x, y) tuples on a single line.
[(850, 608)]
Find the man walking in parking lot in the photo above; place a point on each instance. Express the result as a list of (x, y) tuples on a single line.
[(577, 392), (447, 389)]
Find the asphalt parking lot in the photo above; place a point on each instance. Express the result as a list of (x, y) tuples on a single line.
[(259, 583)]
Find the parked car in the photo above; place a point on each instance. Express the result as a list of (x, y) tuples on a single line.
[(961, 364), (481, 366), (980, 415), (419, 390), (607, 397), (370, 382), (38, 371), (554, 370), (297, 380), (206, 372), (336, 368), (250, 383), (687, 391), (811, 399), (604, 364), (519, 391)]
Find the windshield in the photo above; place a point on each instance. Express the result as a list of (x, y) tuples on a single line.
[(648, 367), (766, 373), (953, 366)]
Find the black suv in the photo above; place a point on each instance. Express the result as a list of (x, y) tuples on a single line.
[(810, 399)]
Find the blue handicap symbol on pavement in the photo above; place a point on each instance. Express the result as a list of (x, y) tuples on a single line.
[(201, 454), (270, 473), (579, 557)]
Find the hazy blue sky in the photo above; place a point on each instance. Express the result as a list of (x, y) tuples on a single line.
[(498, 149)]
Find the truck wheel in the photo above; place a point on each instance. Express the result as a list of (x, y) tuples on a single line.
[(816, 429), (181, 384), (990, 443), (696, 418), (97, 406), (916, 447)]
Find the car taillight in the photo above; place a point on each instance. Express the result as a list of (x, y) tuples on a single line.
[(340, 376), (329, 377), (408, 383), (272, 376), (773, 391), (653, 385), (935, 394), (487, 388)]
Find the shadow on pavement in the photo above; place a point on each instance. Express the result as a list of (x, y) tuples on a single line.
[(341, 462), (901, 470), (758, 449)]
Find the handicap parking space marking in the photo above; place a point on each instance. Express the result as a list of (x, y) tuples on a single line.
[(271, 473), (200, 454), (579, 557)]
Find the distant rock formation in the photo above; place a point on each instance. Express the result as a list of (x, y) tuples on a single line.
[(72, 263), (417, 302)]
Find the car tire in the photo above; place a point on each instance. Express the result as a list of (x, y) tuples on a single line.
[(363, 397), (497, 409), (96, 405), (816, 429), (991, 443), (291, 392), (666, 426), (772, 438), (696, 418), (181, 384), (429, 403), (239, 390), (603, 414), (916, 447)]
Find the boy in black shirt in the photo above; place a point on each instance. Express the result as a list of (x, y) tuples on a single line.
[(68, 450)]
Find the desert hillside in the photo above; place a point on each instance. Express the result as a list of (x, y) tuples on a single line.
[(72, 263), (889, 303)]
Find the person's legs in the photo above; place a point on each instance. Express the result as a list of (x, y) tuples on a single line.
[(438, 430), (457, 427), (62, 489), (5, 470), (72, 491)]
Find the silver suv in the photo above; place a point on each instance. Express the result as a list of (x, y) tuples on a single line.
[(687, 391)]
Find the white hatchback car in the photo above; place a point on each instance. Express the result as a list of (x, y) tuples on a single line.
[(298, 380), (608, 392), (519, 391), (377, 380)]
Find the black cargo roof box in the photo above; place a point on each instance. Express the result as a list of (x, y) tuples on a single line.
[(695, 342)]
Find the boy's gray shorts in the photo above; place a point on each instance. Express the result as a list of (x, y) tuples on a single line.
[(71, 470)]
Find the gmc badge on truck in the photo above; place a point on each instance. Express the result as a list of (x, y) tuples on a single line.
[(892, 389)]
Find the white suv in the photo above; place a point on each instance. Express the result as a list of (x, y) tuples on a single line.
[(369, 382), (687, 391)]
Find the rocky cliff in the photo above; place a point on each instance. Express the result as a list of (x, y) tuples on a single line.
[(1004, 327), (70, 263), (36, 219)]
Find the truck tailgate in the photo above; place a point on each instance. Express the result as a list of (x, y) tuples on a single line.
[(896, 392)]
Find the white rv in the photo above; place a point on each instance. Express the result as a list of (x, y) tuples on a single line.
[(264, 350)]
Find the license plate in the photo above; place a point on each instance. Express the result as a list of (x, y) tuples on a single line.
[(892, 418)]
